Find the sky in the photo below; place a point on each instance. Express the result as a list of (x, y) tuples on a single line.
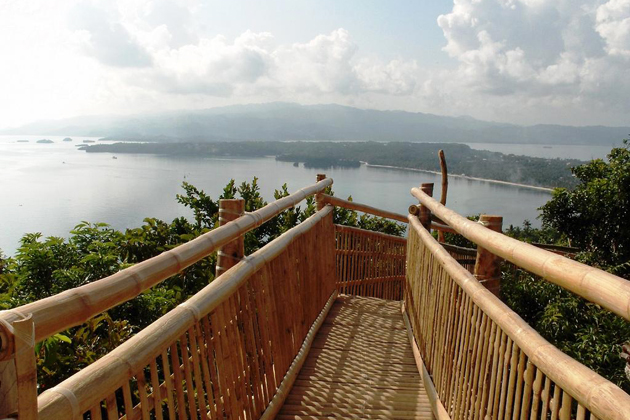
[(516, 61)]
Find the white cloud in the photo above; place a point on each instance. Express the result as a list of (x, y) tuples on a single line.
[(613, 24), (524, 61), (565, 55)]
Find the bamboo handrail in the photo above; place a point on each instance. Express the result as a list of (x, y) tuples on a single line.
[(595, 285), (76, 394), (351, 205), (597, 394), (75, 306)]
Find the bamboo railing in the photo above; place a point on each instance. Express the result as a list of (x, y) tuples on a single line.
[(597, 286), (225, 352), (480, 359), (369, 264), (73, 307)]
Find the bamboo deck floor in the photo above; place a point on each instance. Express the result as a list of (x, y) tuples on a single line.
[(360, 366)]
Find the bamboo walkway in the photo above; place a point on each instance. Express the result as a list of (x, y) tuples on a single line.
[(360, 366)]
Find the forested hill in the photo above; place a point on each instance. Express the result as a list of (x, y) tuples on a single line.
[(289, 121), (462, 160)]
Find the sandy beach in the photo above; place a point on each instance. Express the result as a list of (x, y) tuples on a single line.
[(495, 181)]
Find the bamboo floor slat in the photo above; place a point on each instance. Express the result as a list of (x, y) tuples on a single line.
[(361, 365)]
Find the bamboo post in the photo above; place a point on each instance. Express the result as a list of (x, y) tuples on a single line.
[(319, 197), (232, 252), (488, 265), (18, 376), (444, 170), (8, 377), (425, 213)]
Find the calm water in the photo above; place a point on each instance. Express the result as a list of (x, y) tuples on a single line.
[(49, 188), (549, 151)]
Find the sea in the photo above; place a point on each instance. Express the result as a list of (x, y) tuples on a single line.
[(50, 188)]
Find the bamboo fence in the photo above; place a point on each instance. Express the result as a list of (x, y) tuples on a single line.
[(75, 306), (595, 285), (225, 352), (369, 264), (484, 361)]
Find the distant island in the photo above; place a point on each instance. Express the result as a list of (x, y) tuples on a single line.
[(45, 141), (89, 141), (67, 139), (22, 141), (281, 121), (462, 159)]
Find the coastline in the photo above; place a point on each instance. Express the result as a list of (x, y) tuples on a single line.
[(494, 181)]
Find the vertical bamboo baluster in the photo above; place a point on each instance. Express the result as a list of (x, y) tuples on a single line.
[(203, 364), (537, 390), (231, 253), (475, 350), (513, 384), (169, 385), (190, 386), (527, 391), (196, 365), (126, 391), (475, 362), (213, 355), (224, 372), (565, 409), (500, 374), (487, 265), (178, 382), (464, 306), (142, 392), (507, 380), (157, 395), (443, 368), (95, 412), (485, 384), (545, 398), (251, 391), (464, 390), (236, 357), (265, 334), (518, 396), (112, 407), (555, 402), (581, 413), (272, 316), (528, 383), (253, 350)]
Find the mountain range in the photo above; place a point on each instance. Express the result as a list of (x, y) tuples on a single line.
[(289, 121)]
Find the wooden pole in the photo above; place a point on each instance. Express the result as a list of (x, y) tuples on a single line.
[(232, 252), (488, 265), (18, 376), (425, 213), (8, 376), (319, 198), (444, 187)]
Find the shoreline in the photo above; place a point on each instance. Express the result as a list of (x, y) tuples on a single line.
[(494, 181)]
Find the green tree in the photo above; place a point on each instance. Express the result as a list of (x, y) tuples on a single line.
[(595, 215)]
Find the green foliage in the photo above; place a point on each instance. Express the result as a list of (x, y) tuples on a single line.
[(581, 329), (43, 267), (594, 215)]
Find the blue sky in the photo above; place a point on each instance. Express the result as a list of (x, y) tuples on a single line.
[(518, 61)]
